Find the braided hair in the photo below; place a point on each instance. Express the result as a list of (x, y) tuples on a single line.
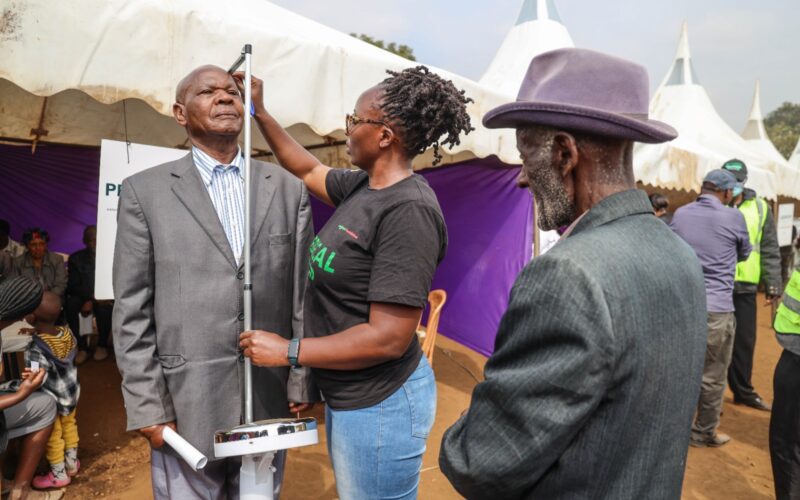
[(426, 107), (19, 297)]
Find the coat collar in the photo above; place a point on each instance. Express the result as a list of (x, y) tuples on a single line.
[(616, 206), (191, 191)]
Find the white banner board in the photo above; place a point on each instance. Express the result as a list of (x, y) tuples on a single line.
[(119, 160), (785, 218)]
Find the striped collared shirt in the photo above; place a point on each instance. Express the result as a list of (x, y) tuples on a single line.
[(225, 185)]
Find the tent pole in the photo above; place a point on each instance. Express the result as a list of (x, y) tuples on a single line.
[(39, 130)]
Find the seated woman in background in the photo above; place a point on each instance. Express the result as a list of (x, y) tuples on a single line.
[(41, 265)]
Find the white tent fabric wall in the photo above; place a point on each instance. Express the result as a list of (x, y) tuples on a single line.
[(704, 142), (115, 49), (538, 29), (755, 134)]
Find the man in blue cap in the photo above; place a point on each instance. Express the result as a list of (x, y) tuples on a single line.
[(718, 235)]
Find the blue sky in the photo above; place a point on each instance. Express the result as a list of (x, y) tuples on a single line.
[(733, 42)]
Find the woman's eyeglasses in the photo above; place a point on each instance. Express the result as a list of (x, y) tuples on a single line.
[(351, 121)]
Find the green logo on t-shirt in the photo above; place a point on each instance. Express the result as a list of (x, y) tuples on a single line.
[(319, 252)]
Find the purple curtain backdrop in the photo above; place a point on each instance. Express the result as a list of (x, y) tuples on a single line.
[(490, 234), (489, 223), (56, 189)]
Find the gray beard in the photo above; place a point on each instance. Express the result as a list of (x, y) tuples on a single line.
[(554, 207)]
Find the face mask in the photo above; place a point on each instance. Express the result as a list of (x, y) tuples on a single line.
[(737, 191)]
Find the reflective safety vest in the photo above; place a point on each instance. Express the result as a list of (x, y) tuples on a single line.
[(755, 215), (787, 319)]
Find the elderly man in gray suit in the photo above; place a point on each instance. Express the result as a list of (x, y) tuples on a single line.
[(178, 281), (598, 360)]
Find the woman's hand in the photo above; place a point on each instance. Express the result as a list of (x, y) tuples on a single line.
[(31, 381), (265, 348), (257, 89)]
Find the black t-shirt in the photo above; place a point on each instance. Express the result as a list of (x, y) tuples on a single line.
[(379, 246)]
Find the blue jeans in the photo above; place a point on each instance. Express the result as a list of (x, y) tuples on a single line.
[(377, 451)]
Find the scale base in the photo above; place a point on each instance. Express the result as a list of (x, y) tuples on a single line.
[(265, 436)]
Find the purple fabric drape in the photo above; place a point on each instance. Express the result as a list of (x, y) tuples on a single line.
[(490, 231), (55, 189), (489, 223)]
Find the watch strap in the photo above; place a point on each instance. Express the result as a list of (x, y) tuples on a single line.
[(294, 352)]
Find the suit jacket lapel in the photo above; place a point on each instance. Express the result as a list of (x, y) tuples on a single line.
[(263, 192), (191, 191)]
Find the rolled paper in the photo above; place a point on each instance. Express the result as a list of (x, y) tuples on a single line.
[(189, 453)]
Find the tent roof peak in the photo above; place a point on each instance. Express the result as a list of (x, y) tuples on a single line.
[(535, 10), (754, 129), (682, 71)]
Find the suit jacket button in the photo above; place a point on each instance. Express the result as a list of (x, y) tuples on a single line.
[(241, 357), (241, 316), (240, 275)]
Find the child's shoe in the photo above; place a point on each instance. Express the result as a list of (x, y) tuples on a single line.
[(56, 478)]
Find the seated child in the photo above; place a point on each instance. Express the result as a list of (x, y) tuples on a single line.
[(54, 348)]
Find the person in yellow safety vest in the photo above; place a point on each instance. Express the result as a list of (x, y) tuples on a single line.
[(764, 264), (784, 425)]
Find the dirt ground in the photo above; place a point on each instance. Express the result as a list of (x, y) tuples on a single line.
[(116, 464)]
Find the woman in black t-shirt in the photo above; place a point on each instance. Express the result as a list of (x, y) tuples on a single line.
[(370, 271)]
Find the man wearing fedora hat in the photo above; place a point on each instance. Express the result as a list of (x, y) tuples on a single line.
[(597, 364)]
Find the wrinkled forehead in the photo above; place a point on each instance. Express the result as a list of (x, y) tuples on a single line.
[(204, 77), (212, 79)]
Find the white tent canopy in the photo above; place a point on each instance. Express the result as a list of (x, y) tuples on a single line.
[(705, 141), (788, 177), (794, 160), (538, 29), (136, 52)]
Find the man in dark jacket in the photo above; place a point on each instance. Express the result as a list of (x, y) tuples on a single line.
[(596, 371), (764, 264), (81, 301)]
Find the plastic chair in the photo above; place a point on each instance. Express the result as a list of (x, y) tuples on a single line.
[(436, 300)]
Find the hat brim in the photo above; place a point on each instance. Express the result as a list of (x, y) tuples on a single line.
[(579, 118)]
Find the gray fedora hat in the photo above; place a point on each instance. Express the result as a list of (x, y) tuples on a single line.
[(584, 91)]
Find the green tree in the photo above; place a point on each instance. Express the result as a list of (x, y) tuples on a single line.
[(783, 127), (401, 50)]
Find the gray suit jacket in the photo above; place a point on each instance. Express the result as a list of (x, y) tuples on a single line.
[(596, 371), (178, 291)]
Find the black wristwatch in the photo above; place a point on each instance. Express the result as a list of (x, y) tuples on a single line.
[(294, 352)]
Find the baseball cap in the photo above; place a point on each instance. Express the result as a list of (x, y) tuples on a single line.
[(737, 168), (723, 179)]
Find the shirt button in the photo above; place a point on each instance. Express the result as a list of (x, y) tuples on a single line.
[(240, 275), (241, 316)]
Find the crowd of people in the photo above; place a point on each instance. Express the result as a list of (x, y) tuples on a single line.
[(609, 362), (733, 234), (40, 406)]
